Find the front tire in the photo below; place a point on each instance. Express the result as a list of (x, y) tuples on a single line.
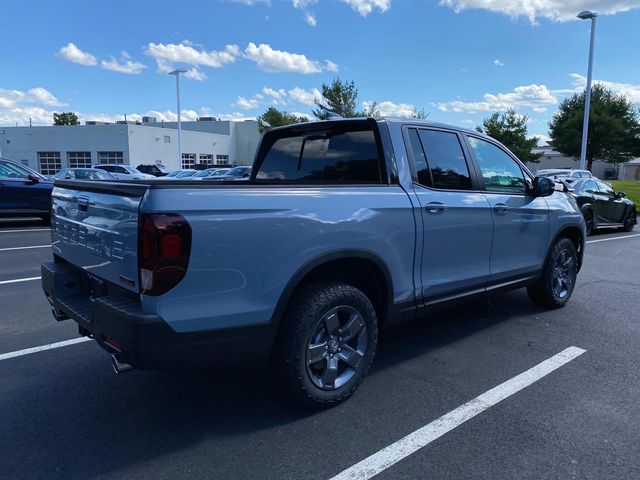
[(630, 221), (589, 221), (555, 286), (327, 343)]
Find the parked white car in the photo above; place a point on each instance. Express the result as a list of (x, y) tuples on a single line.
[(123, 172)]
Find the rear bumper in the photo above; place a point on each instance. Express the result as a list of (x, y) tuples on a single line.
[(118, 324)]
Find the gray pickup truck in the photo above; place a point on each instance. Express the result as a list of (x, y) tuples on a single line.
[(344, 227)]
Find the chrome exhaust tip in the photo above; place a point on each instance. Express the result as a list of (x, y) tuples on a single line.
[(118, 366)]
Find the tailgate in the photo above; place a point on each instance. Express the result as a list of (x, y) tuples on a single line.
[(94, 225)]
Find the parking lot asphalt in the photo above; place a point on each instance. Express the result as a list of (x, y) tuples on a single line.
[(65, 414)]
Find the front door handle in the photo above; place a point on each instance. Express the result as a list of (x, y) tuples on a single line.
[(500, 208), (435, 207)]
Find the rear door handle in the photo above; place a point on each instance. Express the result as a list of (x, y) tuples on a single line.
[(435, 207), (500, 208)]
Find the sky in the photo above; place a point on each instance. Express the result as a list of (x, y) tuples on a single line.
[(458, 60)]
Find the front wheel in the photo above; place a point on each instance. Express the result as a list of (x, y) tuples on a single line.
[(588, 220), (555, 286), (327, 343), (630, 221)]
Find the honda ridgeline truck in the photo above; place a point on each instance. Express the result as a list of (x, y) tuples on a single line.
[(344, 226)]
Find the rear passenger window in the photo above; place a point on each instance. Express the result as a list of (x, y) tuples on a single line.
[(337, 155), (500, 172), (422, 169), (447, 166)]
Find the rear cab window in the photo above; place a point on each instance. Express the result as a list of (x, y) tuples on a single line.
[(439, 159), (334, 153)]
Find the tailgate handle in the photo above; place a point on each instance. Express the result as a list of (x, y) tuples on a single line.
[(83, 203)]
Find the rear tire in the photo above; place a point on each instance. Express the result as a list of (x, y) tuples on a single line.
[(555, 286), (327, 343)]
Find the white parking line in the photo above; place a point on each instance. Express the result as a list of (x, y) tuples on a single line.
[(42, 348), (8, 249), (26, 230), (614, 238), (18, 280), (388, 456)]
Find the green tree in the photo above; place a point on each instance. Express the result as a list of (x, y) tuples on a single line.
[(65, 118), (340, 98), (614, 127), (278, 118), (510, 129)]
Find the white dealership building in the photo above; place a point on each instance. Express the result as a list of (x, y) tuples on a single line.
[(206, 142)]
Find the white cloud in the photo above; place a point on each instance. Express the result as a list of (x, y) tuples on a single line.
[(127, 65), (306, 97), (246, 103), (556, 10), (277, 95), (498, 63), (302, 4), (166, 55), (530, 96), (195, 74), (35, 96), (330, 66), (365, 7), (632, 92), (388, 108), (71, 53), (304, 115), (310, 18), (271, 60)]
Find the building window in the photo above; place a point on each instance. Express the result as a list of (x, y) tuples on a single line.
[(167, 139), (205, 159), (79, 159), (222, 159), (188, 161), (50, 162), (110, 157)]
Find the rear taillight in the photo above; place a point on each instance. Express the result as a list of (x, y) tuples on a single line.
[(163, 255)]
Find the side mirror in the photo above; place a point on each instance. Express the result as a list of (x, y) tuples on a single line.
[(33, 178), (543, 186), (621, 195)]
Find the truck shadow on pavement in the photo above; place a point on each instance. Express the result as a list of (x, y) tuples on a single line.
[(81, 421)]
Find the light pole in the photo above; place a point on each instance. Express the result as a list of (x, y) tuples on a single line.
[(177, 73), (586, 15)]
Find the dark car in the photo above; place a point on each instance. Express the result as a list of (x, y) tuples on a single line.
[(83, 174), (23, 192), (601, 206), (236, 173), (154, 169)]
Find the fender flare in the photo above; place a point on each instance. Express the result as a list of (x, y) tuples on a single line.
[(296, 279)]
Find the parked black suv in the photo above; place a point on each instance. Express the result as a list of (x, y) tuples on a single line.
[(154, 169)]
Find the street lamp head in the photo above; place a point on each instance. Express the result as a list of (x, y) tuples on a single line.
[(177, 71), (587, 15)]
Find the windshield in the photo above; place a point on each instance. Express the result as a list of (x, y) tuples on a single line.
[(204, 173), (174, 173), (553, 172), (238, 171), (163, 169), (92, 174)]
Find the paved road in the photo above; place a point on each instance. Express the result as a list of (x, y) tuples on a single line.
[(64, 414)]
